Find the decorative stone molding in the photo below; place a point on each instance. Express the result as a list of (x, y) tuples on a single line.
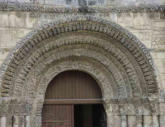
[(14, 107), (115, 58), (16, 6), (84, 23), (82, 51)]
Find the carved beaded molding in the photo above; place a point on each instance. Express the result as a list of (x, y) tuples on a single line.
[(40, 43), (16, 6)]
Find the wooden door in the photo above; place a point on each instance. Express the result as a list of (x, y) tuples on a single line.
[(73, 87), (58, 116), (65, 90)]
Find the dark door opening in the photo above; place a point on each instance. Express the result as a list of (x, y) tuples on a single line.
[(92, 115), (73, 99)]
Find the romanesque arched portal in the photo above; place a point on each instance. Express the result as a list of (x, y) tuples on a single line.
[(116, 59)]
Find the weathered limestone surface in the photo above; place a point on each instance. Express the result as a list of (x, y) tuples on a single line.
[(114, 120), (135, 109), (132, 121), (27, 121), (162, 120), (3, 121), (148, 27)]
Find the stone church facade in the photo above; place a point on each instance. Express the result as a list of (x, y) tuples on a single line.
[(120, 44)]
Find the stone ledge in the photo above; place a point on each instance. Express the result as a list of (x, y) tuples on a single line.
[(16, 6)]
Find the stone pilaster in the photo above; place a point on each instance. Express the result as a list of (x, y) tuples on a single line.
[(123, 121), (27, 123), (3, 121), (113, 120), (16, 121), (22, 121), (113, 116), (9, 119), (148, 121), (156, 121), (139, 121), (35, 121), (132, 121), (162, 120)]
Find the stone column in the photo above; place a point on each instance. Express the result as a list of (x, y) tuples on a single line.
[(132, 121), (35, 121), (148, 121), (113, 120), (113, 117), (9, 121), (27, 121), (162, 120), (3, 121), (139, 121), (123, 121), (155, 121), (16, 121), (22, 121)]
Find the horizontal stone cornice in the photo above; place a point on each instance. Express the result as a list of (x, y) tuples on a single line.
[(16, 6)]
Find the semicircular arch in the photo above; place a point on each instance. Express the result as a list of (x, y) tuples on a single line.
[(90, 33)]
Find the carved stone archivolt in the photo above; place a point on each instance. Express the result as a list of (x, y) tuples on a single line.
[(115, 58)]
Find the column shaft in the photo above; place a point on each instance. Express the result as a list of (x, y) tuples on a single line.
[(3, 121), (16, 121), (27, 121), (113, 121), (131, 121), (139, 121), (148, 122), (123, 121), (155, 121), (162, 120)]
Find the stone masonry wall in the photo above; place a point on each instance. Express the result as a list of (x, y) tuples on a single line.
[(148, 24), (149, 27), (90, 2)]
